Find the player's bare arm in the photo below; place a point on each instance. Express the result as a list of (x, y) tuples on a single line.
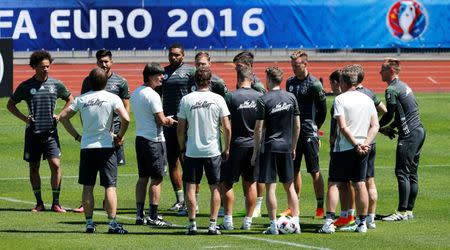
[(11, 106), (257, 140)]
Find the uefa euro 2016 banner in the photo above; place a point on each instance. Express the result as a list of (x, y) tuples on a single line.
[(220, 24)]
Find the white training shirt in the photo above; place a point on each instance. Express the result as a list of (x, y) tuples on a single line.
[(97, 108), (145, 103), (357, 108), (203, 111)]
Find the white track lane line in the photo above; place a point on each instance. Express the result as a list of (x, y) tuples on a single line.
[(432, 80), (278, 242)]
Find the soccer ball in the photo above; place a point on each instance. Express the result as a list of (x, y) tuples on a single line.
[(285, 225)]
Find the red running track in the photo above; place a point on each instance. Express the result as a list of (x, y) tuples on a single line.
[(422, 76)]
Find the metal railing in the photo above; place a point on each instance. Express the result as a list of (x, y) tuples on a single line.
[(226, 55)]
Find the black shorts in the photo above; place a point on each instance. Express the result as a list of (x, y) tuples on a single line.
[(173, 150), (308, 147), (272, 164), (193, 169), (347, 166), (93, 160), (371, 161), (37, 144), (151, 157), (239, 163), (120, 154)]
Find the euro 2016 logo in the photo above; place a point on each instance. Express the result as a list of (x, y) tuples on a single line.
[(407, 20)]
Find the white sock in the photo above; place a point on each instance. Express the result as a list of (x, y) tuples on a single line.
[(273, 224), (248, 219), (180, 195), (371, 217), (295, 219), (212, 224), (228, 219), (259, 201), (351, 212)]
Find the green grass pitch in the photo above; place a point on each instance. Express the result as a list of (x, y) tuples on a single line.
[(21, 229)]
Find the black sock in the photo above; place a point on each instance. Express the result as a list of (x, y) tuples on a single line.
[(56, 195), (140, 210), (37, 194), (319, 202), (362, 218), (153, 211)]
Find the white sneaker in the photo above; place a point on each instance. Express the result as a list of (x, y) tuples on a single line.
[(409, 214), (361, 228), (370, 223), (226, 226), (177, 206), (191, 229), (246, 225), (327, 228), (397, 216), (269, 230), (298, 230)]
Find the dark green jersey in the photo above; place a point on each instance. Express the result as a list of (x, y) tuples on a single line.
[(217, 85), (311, 101), (41, 100), (116, 85), (401, 100), (175, 86), (277, 108), (370, 94), (256, 85)]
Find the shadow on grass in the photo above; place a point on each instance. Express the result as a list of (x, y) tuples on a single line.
[(10, 209)]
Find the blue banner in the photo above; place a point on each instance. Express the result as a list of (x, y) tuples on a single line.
[(220, 24)]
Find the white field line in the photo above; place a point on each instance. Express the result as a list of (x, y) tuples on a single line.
[(135, 175), (432, 80), (237, 236), (277, 242)]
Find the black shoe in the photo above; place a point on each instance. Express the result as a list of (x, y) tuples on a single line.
[(159, 222), (90, 228), (214, 231), (191, 230), (117, 230), (140, 221)]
